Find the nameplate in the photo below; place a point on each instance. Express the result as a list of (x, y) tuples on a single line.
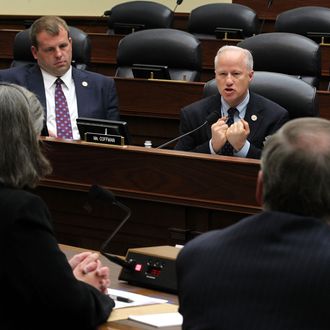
[(105, 138)]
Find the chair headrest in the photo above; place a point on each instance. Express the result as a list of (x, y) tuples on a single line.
[(287, 53), (81, 47), (293, 94), (147, 13), (171, 47), (176, 49), (205, 19), (305, 19)]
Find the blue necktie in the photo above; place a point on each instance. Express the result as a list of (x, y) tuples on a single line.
[(227, 149)]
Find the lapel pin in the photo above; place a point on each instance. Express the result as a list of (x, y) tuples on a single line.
[(85, 83), (254, 117)]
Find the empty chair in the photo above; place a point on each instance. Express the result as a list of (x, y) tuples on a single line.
[(81, 48), (298, 97), (133, 16), (287, 53), (212, 20), (310, 21), (178, 51)]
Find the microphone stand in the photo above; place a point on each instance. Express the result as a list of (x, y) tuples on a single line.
[(115, 259), (178, 2), (269, 4), (181, 136), (210, 119), (97, 192)]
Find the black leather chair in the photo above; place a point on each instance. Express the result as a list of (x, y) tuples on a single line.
[(287, 53), (81, 48), (298, 97), (309, 21), (204, 20), (133, 16), (178, 50)]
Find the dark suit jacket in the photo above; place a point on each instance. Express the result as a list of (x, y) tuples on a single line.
[(270, 117), (96, 93), (38, 288), (269, 271)]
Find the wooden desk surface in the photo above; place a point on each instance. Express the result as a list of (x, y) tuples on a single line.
[(120, 285)]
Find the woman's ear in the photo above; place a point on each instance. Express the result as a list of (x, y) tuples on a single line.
[(259, 190)]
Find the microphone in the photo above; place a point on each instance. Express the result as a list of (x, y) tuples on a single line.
[(210, 119), (269, 4), (97, 192), (107, 12), (178, 2)]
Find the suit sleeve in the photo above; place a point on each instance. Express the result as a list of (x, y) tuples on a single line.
[(112, 108), (282, 116), (42, 277), (194, 142)]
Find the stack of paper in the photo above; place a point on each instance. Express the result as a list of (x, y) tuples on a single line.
[(159, 320), (133, 299)]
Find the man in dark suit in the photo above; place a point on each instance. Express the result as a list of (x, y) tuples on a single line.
[(270, 270), (255, 117), (87, 94)]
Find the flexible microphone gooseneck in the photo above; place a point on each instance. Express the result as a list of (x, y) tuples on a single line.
[(269, 4), (210, 119), (178, 2), (97, 192)]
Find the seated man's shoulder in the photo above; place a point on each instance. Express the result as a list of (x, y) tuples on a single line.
[(268, 103), (16, 71)]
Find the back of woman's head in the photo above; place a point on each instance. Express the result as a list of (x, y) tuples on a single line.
[(22, 163)]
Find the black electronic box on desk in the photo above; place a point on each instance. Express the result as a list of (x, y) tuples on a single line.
[(153, 267)]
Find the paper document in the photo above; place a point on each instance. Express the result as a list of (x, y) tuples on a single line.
[(159, 320), (128, 299)]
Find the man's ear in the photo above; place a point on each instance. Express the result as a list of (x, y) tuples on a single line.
[(259, 190), (34, 52)]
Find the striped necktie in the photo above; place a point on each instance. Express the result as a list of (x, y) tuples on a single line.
[(227, 149)]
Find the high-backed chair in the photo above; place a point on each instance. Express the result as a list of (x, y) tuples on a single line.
[(309, 21), (81, 48), (207, 21), (178, 50), (133, 16), (298, 97), (287, 53)]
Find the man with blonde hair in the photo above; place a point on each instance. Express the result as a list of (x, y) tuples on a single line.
[(246, 118)]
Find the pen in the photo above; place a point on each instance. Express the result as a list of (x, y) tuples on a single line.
[(122, 299)]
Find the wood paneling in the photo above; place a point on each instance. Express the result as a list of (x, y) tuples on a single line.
[(172, 194), (269, 9)]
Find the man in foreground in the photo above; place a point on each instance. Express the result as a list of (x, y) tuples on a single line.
[(270, 270)]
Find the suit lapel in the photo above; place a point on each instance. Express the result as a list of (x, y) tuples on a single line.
[(82, 86), (253, 115), (36, 85)]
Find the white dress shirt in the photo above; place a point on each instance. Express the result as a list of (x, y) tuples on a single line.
[(69, 91), (238, 115)]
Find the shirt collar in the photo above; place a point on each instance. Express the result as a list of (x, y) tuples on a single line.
[(49, 79), (241, 107)]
